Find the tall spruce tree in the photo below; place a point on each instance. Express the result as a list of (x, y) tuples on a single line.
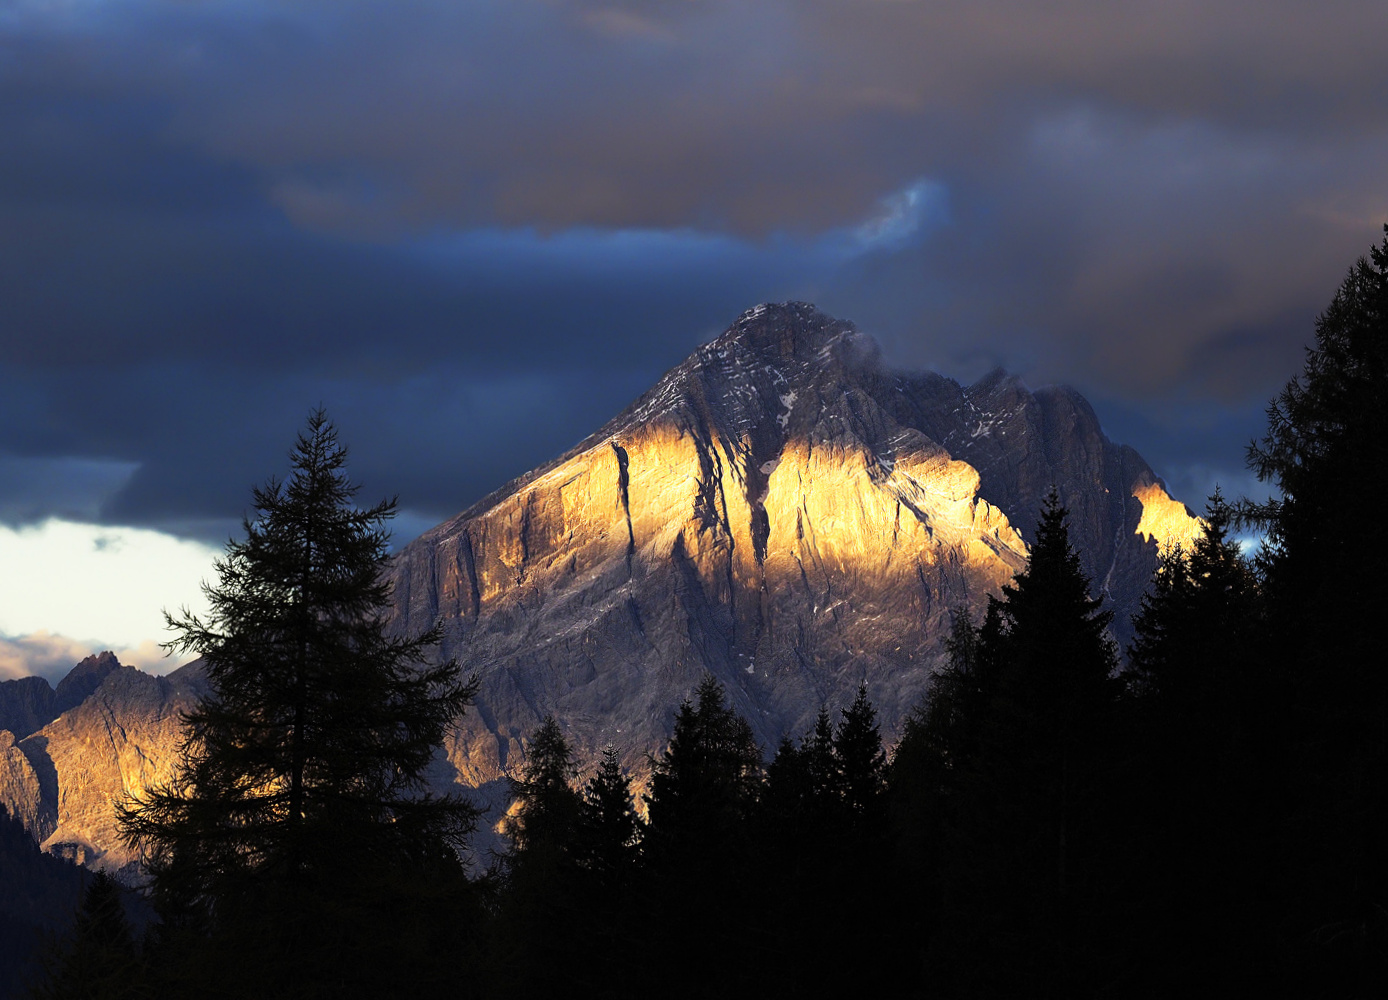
[(544, 894), (300, 793), (698, 876), (99, 960), (862, 763), (1023, 864), (609, 829), (705, 784), (937, 756), (548, 804)]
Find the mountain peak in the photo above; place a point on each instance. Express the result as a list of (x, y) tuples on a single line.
[(785, 331), (83, 679)]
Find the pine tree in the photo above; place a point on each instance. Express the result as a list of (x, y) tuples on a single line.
[(1023, 863), (704, 785), (301, 785), (697, 875), (543, 890), (821, 765), (1196, 622), (938, 750), (1192, 713), (804, 784), (607, 847)]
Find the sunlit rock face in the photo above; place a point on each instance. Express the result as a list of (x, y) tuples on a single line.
[(778, 510), (117, 736), (19, 788)]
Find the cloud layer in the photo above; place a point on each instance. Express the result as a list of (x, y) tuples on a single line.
[(474, 231)]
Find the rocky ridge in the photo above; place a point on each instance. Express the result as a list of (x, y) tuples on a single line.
[(117, 736)]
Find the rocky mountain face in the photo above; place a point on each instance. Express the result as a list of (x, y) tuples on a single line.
[(112, 731), (780, 510)]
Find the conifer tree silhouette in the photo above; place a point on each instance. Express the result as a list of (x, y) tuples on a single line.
[(1021, 852), (1193, 714), (608, 827), (861, 760), (1326, 696), (99, 960), (549, 806), (301, 792)]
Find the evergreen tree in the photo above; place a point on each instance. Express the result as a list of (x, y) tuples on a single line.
[(705, 784), (549, 806), (544, 897), (1025, 854), (608, 827), (935, 759), (1196, 814), (99, 960), (861, 760), (607, 848), (1324, 450), (804, 784), (301, 788), (1200, 612), (940, 739), (699, 878), (821, 765)]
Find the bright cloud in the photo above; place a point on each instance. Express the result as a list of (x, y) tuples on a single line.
[(69, 589), (42, 653), (904, 215)]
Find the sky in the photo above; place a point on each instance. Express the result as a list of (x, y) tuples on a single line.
[(475, 230)]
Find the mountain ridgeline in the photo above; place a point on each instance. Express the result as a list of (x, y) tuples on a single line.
[(780, 511)]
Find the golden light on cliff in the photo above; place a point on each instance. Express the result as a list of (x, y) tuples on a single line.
[(1165, 521)]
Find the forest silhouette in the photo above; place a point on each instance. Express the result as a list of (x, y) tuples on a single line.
[(1207, 809)]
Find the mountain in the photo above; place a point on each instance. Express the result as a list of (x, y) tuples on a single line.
[(780, 510)]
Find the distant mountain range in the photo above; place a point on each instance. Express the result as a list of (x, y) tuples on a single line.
[(779, 510)]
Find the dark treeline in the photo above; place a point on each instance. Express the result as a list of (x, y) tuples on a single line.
[(1206, 811)]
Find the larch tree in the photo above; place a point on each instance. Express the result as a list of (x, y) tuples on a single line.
[(1326, 451), (301, 785)]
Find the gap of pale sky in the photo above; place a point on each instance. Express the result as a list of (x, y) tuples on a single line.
[(69, 589)]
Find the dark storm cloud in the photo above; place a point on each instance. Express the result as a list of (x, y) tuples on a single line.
[(474, 231)]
